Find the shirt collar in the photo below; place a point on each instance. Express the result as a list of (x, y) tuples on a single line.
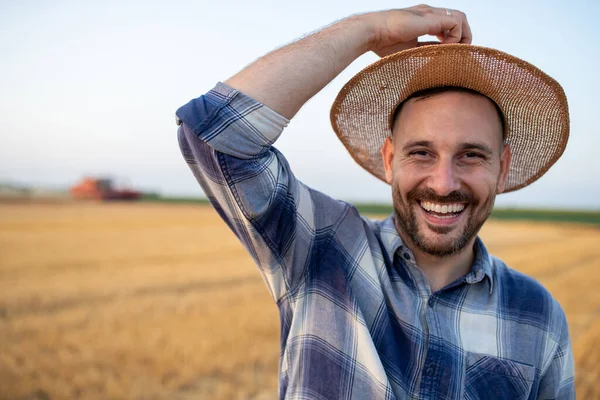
[(482, 265), (389, 237)]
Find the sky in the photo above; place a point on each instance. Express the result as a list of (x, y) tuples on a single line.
[(91, 88)]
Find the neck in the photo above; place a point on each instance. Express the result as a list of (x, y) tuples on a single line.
[(441, 271)]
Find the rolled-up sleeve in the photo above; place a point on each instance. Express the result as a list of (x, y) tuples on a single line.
[(226, 139), (232, 123)]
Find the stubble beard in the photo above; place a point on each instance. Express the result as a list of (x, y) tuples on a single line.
[(408, 223)]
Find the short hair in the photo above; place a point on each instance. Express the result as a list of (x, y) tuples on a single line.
[(442, 89)]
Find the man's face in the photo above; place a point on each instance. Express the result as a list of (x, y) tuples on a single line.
[(446, 163)]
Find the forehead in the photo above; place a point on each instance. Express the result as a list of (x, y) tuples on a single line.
[(450, 117)]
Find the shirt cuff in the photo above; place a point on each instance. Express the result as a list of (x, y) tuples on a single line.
[(231, 122)]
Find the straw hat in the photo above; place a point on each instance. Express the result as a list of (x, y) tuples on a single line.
[(534, 105)]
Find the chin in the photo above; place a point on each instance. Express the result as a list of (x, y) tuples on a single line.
[(433, 242), (439, 226), (439, 239)]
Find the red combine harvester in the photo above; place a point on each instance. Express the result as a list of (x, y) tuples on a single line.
[(102, 189)]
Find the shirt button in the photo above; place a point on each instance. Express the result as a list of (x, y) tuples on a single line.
[(406, 256), (429, 371), (431, 302)]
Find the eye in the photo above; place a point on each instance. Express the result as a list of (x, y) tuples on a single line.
[(472, 155), (419, 153)]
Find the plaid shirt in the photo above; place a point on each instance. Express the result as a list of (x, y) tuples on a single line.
[(358, 318)]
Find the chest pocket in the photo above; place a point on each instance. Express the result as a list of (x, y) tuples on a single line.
[(492, 378)]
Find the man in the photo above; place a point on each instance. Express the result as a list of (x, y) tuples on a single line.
[(411, 307)]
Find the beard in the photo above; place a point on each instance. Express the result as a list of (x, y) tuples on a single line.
[(442, 244)]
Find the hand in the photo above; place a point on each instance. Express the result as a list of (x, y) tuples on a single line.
[(286, 78), (396, 30)]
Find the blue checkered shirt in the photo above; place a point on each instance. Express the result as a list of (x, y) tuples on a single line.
[(358, 318)]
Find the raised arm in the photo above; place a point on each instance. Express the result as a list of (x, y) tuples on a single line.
[(286, 78), (226, 137)]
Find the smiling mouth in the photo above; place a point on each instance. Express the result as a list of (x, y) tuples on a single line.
[(443, 211)]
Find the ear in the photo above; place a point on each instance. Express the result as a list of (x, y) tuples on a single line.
[(387, 153), (504, 167)]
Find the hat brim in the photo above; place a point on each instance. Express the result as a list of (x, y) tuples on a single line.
[(534, 105)]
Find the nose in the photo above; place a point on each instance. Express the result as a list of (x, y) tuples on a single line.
[(444, 178)]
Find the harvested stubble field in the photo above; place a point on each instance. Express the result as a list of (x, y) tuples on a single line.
[(154, 301)]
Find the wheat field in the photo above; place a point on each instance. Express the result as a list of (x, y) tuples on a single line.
[(157, 301)]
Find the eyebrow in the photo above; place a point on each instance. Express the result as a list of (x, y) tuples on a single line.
[(477, 146), (464, 146), (416, 143)]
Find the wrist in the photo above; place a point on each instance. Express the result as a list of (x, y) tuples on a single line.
[(369, 32), (358, 32)]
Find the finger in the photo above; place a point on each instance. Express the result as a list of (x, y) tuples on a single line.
[(450, 28), (447, 36), (467, 36)]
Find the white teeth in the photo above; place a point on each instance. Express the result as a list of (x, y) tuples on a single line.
[(442, 208)]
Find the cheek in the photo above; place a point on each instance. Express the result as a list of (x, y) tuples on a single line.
[(409, 173), (482, 184), (403, 183)]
